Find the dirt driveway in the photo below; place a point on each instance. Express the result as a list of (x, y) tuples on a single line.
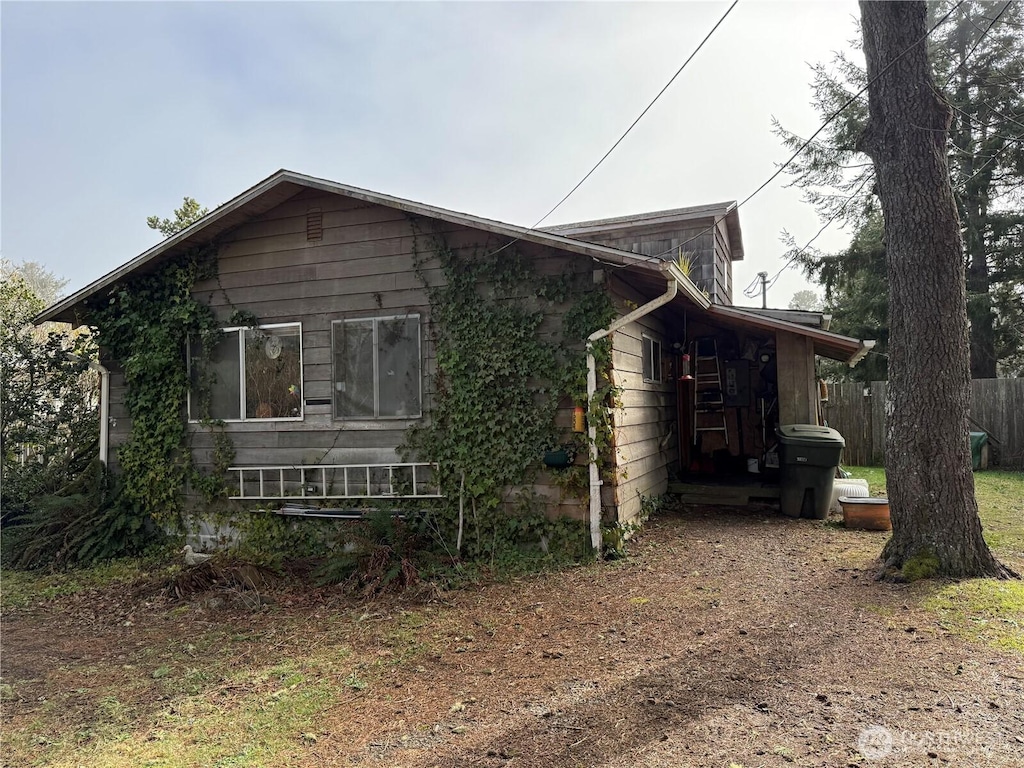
[(728, 637)]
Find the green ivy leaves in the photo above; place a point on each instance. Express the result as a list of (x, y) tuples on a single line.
[(146, 324), (509, 348)]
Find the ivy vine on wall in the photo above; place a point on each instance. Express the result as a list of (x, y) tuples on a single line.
[(501, 376), (146, 324)]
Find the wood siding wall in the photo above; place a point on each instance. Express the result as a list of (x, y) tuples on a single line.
[(362, 266), (723, 265), (646, 443), (997, 407), (704, 242)]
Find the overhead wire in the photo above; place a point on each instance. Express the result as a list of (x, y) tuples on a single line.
[(984, 34), (630, 128), (960, 67), (822, 127), (771, 282), (867, 178)]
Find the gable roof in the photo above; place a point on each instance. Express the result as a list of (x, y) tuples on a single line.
[(718, 211), (284, 184)]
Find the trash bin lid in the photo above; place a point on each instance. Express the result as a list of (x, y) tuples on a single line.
[(809, 434)]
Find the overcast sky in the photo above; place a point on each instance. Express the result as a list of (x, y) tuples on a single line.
[(115, 111)]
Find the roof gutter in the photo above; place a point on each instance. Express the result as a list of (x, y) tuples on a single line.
[(860, 354), (695, 294), (595, 476)]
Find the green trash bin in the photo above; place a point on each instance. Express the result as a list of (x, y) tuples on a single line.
[(808, 457), (979, 450)]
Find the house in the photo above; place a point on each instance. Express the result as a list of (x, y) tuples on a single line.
[(342, 362)]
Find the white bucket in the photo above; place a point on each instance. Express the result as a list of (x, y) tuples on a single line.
[(852, 488)]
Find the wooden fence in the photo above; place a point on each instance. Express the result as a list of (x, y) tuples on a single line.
[(857, 410)]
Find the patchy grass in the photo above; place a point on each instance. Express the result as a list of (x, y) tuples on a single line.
[(983, 610), (96, 677), (100, 676), (24, 588), (874, 475), (201, 694), (1000, 496), (271, 718), (1001, 502)]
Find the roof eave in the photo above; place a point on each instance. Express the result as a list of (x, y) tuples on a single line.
[(66, 310), (826, 343)]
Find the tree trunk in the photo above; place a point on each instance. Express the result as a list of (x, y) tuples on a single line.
[(928, 461)]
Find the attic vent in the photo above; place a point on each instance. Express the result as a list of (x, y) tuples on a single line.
[(314, 224)]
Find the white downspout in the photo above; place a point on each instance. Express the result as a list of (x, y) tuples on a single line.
[(104, 405), (595, 475), (104, 410)]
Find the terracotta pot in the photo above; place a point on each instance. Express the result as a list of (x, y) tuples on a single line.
[(867, 514)]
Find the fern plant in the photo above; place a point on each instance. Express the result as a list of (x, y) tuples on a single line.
[(380, 555)]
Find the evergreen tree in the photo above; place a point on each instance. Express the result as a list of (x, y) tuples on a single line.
[(807, 301), (935, 524), (857, 297), (977, 56), (189, 213)]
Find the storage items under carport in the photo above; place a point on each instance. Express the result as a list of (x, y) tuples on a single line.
[(808, 458)]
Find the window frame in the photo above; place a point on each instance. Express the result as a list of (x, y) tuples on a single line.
[(655, 354), (376, 320), (240, 331)]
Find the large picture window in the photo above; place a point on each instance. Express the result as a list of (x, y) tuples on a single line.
[(377, 368), (252, 374)]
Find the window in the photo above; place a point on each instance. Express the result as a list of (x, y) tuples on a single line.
[(651, 359), (253, 373), (377, 368)]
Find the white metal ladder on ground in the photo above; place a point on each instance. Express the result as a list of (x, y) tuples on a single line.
[(708, 396), (337, 481)]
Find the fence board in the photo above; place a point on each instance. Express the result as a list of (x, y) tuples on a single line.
[(997, 407)]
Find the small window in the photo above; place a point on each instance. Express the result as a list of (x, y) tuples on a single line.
[(377, 368), (253, 374), (651, 359)]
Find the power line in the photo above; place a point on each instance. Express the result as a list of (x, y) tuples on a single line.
[(867, 178), (827, 224), (1006, 22), (640, 117), (980, 39), (630, 128), (814, 135)]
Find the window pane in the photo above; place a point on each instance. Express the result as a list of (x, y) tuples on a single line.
[(398, 366), (222, 378), (648, 359), (353, 369), (273, 373)]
